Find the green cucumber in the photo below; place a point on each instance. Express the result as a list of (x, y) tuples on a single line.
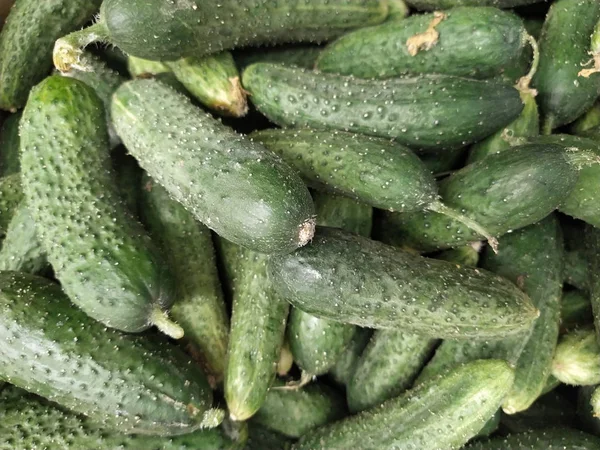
[(257, 331), (11, 194), (345, 366), (464, 42), (232, 185), (26, 43), (443, 161), (588, 124), (586, 419), (397, 10), (105, 261), (21, 249), (575, 271), (429, 112), (187, 246), (297, 55), (145, 68), (563, 94), (26, 421), (351, 279), (387, 367), (123, 382), (128, 179), (577, 358), (9, 145), (445, 4), (595, 402), (545, 439), (441, 414), (294, 412), (534, 25), (575, 310), (592, 244), (467, 255), (166, 32), (261, 438), (502, 192)]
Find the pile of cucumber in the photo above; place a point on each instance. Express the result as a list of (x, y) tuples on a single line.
[(300, 225)]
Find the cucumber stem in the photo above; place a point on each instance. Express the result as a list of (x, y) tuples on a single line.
[(440, 208), (161, 320), (68, 49), (523, 83), (305, 378)]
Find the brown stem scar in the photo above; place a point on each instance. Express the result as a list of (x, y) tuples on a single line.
[(427, 39)]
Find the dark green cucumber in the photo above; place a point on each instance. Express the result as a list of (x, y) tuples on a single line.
[(21, 249), (575, 271), (27, 39), (445, 4), (428, 112), (345, 366), (592, 244), (563, 94), (387, 367), (294, 412), (586, 419), (9, 145), (123, 382), (187, 246), (502, 192), (231, 184), (443, 161), (351, 279), (11, 195), (575, 310), (297, 55), (465, 42), (257, 331), (128, 178), (544, 439), (577, 358), (534, 25), (104, 259), (28, 422), (168, 31), (441, 414)]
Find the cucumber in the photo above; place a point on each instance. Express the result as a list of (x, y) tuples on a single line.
[(257, 312), (429, 112), (105, 261), (577, 358), (575, 310), (595, 401), (128, 179), (26, 421), (442, 414), (534, 25), (467, 255), (345, 366), (26, 43), (297, 55), (187, 246), (286, 360), (9, 145), (445, 4), (575, 271), (11, 195), (387, 367), (592, 243), (586, 419), (294, 412), (166, 32), (261, 438), (588, 125), (397, 10), (443, 161), (490, 426), (124, 383), (351, 279), (465, 42), (144, 68), (21, 249), (502, 192), (232, 185), (545, 439), (563, 95)]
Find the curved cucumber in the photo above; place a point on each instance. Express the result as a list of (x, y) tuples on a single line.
[(123, 382), (345, 366), (429, 112), (575, 310), (11, 194), (102, 256), (21, 249), (9, 145), (166, 32), (445, 4), (232, 185), (563, 94), (27, 39), (452, 403), (465, 42), (352, 279), (577, 358), (298, 55), (187, 245), (544, 439)]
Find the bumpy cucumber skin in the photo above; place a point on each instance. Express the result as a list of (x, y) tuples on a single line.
[(200, 27), (351, 279), (502, 192), (299, 55), (374, 171), (293, 412), (21, 249), (104, 259), (472, 43), (545, 439), (123, 382), (27, 39), (259, 313), (575, 310), (445, 4), (577, 358), (11, 194), (129, 175), (563, 95), (592, 243), (187, 245), (231, 184), (27, 421), (387, 367), (9, 145), (442, 414), (427, 112), (345, 366)]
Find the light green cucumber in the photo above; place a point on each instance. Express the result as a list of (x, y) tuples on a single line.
[(345, 366), (297, 55), (397, 10), (577, 358), (11, 194), (442, 414), (9, 145), (545, 439), (575, 310), (145, 68), (187, 245), (231, 184)]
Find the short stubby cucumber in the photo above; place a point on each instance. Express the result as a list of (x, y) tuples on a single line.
[(188, 246), (577, 358), (445, 4), (545, 439), (103, 258), (11, 194), (295, 55), (429, 112), (168, 31), (231, 184), (123, 382), (465, 42), (9, 145), (351, 279), (443, 413), (27, 39)]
